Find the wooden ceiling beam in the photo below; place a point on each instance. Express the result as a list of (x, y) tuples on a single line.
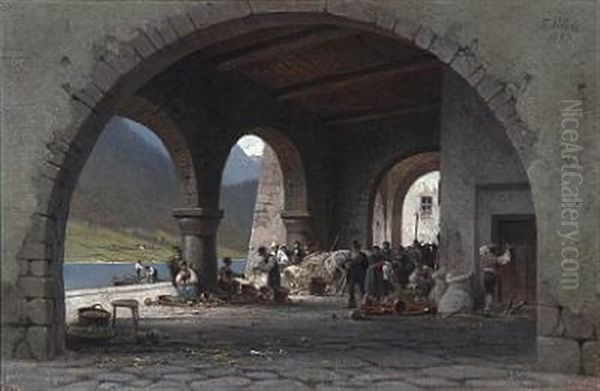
[(362, 75), (281, 46), (396, 112)]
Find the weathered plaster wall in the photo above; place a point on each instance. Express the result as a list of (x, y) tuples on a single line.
[(475, 151), (508, 200)]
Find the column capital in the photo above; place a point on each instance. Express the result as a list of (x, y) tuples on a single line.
[(297, 226), (198, 212), (198, 221)]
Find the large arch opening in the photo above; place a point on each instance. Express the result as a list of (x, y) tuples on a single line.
[(387, 63), (263, 194), (120, 227), (239, 186)]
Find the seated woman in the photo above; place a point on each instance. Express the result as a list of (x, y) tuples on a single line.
[(227, 281), (186, 282)]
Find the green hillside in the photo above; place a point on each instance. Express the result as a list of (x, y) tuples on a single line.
[(86, 242), (126, 193)]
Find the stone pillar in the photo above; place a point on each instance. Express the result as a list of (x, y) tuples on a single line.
[(267, 226), (297, 227), (199, 242)]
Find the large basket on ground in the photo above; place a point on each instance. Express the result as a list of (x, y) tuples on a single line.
[(94, 315)]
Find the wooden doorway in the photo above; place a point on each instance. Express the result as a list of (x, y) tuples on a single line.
[(518, 278)]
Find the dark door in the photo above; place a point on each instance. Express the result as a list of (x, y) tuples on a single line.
[(518, 277)]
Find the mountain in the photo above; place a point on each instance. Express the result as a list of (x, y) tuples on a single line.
[(129, 185), (241, 167)]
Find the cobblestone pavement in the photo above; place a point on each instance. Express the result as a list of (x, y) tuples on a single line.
[(310, 344)]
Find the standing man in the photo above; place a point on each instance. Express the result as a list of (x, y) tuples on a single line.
[(414, 253), (356, 270), (268, 263), (374, 283), (139, 269), (491, 260), (386, 251), (282, 255)]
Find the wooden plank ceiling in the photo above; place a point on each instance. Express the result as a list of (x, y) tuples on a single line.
[(344, 76)]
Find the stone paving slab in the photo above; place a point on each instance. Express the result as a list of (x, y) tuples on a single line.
[(214, 351)]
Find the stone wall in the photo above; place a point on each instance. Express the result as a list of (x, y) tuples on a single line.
[(482, 176), (474, 152)]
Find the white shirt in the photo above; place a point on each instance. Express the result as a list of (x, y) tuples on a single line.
[(193, 278), (282, 257)]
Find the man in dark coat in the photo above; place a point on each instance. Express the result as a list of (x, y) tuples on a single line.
[(386, 251), (374, 283), (356, 269)]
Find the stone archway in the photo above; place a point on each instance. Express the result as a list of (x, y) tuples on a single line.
[(120, 72), (392, 190)]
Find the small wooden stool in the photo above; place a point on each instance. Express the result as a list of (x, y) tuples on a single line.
[(133, 305)]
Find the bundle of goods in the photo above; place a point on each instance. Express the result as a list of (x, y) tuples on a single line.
[(319, 273)]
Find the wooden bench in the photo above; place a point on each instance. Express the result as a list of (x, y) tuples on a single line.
[(133, 305)]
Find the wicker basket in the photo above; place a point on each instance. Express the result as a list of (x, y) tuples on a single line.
[(95, 315)]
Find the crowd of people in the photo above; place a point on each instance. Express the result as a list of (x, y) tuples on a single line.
[(375, 273), (381, 271), (270, 261)]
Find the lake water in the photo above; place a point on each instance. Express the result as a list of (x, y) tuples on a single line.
[(95, 275)]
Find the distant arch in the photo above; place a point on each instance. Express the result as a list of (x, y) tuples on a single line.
[(392, 189)]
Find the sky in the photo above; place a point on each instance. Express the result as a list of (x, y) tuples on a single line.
[(252, 145)]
